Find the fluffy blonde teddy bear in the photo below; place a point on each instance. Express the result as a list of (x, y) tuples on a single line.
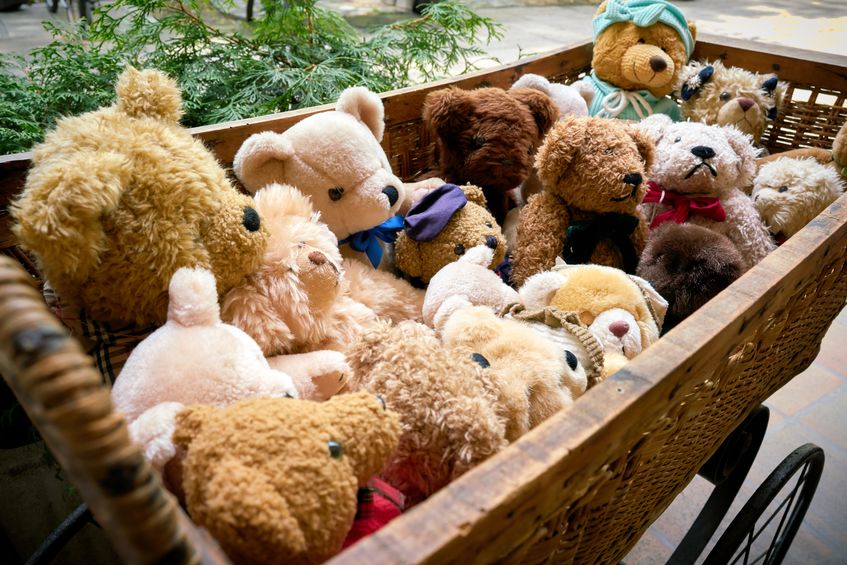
[(698, 175), (789, 193)]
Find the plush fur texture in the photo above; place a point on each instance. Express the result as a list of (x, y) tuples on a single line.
[(118, 199), (835, 157), (588, 166), (488, 137), (336, 159), (275, 480), (688, 265), (297, 303), (729, 96), (531, 375), (722, 175), (472, 225), (464, 283), (789, 193), (193, 358), (623, 312), (449, 420)]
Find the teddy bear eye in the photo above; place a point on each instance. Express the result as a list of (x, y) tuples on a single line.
[(529, 150), (609, 151), (571, 360), (677, 140), (641, 40), (725, 96), (336, 450), (488, 225), (478, 141), (459, 249), (783, 188)]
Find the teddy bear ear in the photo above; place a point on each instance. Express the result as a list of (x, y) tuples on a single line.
[(474, 194), (539, 289), (646, 147), (448, 111), (189, 422), (742, 144), (692, 78), (556, 153), (261, 159), (277, 200), (654, 126), (542, 107), (658, 305), (692, 27), (148, 94), (365, 106)]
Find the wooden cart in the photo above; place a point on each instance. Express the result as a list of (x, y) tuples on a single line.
[(585, 485)]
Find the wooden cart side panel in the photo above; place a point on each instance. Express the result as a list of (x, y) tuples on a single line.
[(586, 484)]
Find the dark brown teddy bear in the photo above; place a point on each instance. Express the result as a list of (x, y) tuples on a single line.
[(488, 137), (592, 170)]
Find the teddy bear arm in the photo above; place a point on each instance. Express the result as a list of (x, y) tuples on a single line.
[(317, 375), (745, 229), (243, 511), (541, 235), (386, 295)]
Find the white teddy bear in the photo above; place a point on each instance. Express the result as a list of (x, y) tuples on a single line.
[(698, 176)]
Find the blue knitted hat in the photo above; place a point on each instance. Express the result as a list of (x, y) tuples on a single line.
[(644, 13)]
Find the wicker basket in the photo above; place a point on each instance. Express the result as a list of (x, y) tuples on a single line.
[(586, 484)]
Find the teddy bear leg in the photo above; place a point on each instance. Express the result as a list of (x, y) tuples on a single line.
[(318, 375), (388, 296)]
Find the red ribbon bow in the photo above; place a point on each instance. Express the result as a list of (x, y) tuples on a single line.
[(682, 206)]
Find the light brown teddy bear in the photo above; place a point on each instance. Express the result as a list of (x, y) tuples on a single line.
[(640, 47), (447, 407), (297, 304), (336, 159), (717, 95), (592, 171), (118, 199), (275, 480), (442, 226)]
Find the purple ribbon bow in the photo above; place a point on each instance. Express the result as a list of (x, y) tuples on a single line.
[(430, 215)]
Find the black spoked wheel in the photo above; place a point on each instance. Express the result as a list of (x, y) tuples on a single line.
[(763, 530)]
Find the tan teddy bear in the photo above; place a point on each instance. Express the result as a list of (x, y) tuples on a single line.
[(442, 226), (592, 171), (640, 47), (717, 95), (336, 159), (297, 304), (120, 198), (275, 480)]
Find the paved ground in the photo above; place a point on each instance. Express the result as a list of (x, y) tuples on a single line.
[(813, 407)]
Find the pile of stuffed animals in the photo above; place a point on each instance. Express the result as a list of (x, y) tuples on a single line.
[(333, 348)]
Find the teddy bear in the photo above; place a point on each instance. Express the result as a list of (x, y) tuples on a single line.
[(789, 193), (120, 198), (336, 159), (449, 419), (623, 312), (717, 95), (276, 480), (640, 48), (192, 358), (297, 305), (488, 137), (835, 158), (592, 170), (698, 176), (688, 265), (441, 227)]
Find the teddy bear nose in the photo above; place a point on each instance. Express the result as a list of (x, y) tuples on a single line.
[(317, 257), (251, 219), (619, 328), (491, 241), (658, 64), (745, 103), (392, 195), (632, 178), (703, 152), (336, 193)]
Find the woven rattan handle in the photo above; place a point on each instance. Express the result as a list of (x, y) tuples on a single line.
[(63, 394)]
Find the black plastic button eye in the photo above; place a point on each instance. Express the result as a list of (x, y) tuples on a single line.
[(783, 188), (480, 360), (336, 450), (459, 249), (335, 193), (251, 219), (571, 360)]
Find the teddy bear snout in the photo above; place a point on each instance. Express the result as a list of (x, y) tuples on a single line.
[(658, 64), (619, 328), (491, 241), (745, 103), (703, 152), (392, 195)]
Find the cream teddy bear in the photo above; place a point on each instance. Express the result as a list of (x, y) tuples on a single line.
[(698, 175), (336, 159), (789, 193)]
